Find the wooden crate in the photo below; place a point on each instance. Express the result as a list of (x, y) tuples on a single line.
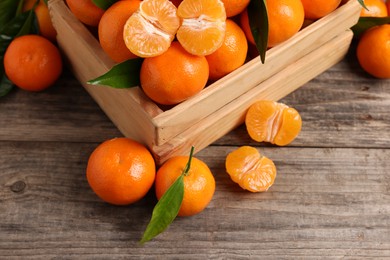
[(221, 106)]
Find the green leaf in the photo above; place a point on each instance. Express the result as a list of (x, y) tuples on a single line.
[(361, 2), (168, 206), (8, 10), (258, 21), (45, 1), (5, 86), (104, 4), (165, 210), (365, 23), (121, 75)]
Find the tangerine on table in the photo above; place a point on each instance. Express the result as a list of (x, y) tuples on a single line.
[(203, 25), (270, 121), (46, 28), (151, 29), (315, 9), (235, 7), (376, 8), (231, 55), (110, 29), (32, 62), (173, 76), (373, 51), (86, 11), (199, 183), (285, 19), (249, 169), (121, 171)]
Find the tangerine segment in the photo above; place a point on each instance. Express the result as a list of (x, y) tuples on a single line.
[(249, 169), (203, 25), (269, 121), (151, 29)]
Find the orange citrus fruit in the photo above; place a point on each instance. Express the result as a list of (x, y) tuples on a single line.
[(376, 8), (388, 7), (199, 183), (86, 11), (270, 121), (249, 169), (203, 25), (111, 26), (32, 62), (315, 9), (120, 171), (173, 76), (231, 54), (285, 19), (373, 51), (235, 7), (46, 28), (151, 29)]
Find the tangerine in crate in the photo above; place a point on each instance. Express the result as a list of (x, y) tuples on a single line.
[(221, 105)]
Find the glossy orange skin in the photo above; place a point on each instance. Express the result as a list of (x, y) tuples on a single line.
[(173, 76), (199, 183), (46, 28), (110, 29), (376, 8), (235, 7), (32, 62), (231, 55), (315, 9), (373, 51), (121, 171), (285, 19), (86, 11)]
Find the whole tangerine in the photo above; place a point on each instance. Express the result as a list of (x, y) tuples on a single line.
[(86, 11), (121, 171), (32, 62), (315, 9), (199, 183)]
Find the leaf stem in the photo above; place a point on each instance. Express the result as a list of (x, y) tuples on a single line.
[(188, 165)]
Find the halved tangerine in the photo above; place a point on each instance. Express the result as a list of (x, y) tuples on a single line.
[(249, 169), (151, 29), (203, 25), (270, 121)]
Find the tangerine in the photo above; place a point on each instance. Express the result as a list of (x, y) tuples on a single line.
[(46, 28), (202, 30), (315, 9), (285, 19), (32, 62), (199, 183), (373, 51), (173, 76), (270, 121), (86, 11), (151, 29), (120, 171), (235, 7), (231, 54), (375, 8), (250, 170), (110, 29)]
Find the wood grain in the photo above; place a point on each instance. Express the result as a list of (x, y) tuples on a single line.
[(324, 201)]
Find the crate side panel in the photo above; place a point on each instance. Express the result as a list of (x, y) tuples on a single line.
[(232, 115)]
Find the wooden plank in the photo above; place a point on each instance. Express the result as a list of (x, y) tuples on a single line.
[(324, 201)]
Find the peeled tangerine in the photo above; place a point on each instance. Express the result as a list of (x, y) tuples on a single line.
[(249, 169), (151, 29), (273, 122)]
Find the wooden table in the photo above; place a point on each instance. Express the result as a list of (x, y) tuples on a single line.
[(331, 197)]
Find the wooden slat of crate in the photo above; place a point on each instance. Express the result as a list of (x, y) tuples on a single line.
[(276, 87)]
